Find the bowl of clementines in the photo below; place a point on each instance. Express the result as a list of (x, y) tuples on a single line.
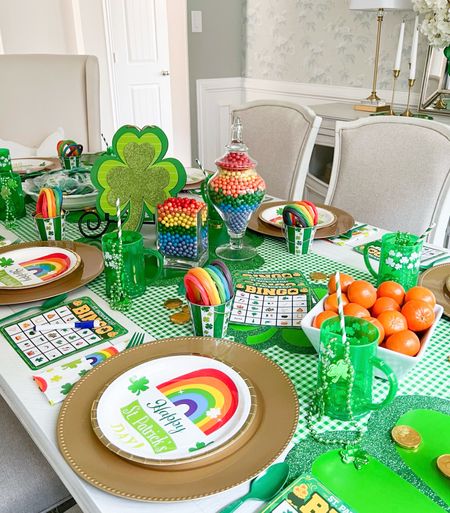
[(405, 320)]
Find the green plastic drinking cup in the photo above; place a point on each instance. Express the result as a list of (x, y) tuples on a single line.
[(399, 259), (363, 338), (141, 265)]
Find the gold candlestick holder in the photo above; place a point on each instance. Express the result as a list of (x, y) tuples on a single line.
[(396, 74), (408, 113)]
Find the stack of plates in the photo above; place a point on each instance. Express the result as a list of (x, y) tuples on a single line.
[(32, 165), (177, 419), (194, 178), (33, 271)]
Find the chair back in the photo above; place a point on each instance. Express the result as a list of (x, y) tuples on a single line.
[(393, 173), (39, 93), (280, 136)]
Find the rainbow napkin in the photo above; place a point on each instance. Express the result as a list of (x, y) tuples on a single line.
[(56, 382)]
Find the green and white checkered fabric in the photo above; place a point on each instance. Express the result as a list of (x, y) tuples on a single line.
[(431, 376)]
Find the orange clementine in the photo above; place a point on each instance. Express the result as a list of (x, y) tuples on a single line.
[(419, 315), (422, 294), (362, 292), (378, 324), (330, 302), (323, 316), (383, 304), (356, 310), (392, 321), (393, 290), (405, 342), (345, 280)]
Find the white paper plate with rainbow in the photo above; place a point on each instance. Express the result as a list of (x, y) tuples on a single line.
[(172, 409), (35, 266), (274, 216)]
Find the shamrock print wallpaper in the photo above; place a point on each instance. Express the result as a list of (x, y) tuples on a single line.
[(323, 42)]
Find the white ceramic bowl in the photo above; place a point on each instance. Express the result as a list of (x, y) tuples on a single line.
[(398, 362)]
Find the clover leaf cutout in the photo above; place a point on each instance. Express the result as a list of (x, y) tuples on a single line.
[(137, 174)]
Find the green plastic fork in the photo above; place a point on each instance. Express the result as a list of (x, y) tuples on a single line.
[(136, 340)]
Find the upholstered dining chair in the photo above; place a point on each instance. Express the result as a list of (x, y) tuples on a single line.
[(27, 482), (39, 93), (281, 138), (393, 172)]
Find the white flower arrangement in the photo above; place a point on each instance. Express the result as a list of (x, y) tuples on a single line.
[(436, 22)]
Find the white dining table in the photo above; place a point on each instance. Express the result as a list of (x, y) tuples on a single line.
[(39, 419)]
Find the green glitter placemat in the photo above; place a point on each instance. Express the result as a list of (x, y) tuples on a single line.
[(377, 442)]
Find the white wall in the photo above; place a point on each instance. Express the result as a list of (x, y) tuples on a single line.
[(179, 81), (78, 27)]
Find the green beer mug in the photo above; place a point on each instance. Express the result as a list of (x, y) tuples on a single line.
[(399, 258), (363, 338), (140, 265)]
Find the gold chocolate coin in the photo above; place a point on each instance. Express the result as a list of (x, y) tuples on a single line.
[(443, 464), (171, 304), (185, 309), (180, 317), (317, 276), (406, 437)]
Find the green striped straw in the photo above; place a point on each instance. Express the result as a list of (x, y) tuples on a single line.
[(427, 231), (340, 308)]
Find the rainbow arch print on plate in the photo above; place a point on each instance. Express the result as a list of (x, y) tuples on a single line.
[(48, 266), (210, 396)]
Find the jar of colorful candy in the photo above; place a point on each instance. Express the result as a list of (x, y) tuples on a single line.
[(12, 202), (236, 191), (182, 232)]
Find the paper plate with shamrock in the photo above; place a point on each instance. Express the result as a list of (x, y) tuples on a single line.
[(35, 266), (181, 410), (274, 215)]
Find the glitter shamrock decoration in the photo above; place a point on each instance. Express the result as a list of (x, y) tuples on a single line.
[(137, 174)]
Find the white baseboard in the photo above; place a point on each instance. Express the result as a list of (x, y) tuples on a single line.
[(217, 97)]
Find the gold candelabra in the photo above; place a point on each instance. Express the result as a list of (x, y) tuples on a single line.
[(396, 74), (408, 113)]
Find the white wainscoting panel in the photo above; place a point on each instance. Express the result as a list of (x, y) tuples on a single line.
[(217, 97)]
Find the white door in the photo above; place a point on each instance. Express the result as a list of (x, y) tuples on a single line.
[(140, 46)]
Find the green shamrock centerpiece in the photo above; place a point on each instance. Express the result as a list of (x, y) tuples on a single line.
[(137, 174)]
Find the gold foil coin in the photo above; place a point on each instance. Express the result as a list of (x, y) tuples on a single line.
[(185, 309), (317, 276), (443, 464), (180, 317), (406, 437), (171, 304)]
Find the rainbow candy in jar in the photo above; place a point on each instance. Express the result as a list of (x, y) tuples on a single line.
[(236, 191), (183, 232)]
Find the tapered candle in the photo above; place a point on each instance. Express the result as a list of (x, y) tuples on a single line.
[(398, 57), (415, 43)]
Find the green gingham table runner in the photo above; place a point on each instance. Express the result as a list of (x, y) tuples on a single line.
[(429, 377)]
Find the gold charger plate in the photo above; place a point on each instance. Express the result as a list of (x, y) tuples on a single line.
[(232, 445), (435, 279), (342, 224), (91, 266), (92, 461)]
